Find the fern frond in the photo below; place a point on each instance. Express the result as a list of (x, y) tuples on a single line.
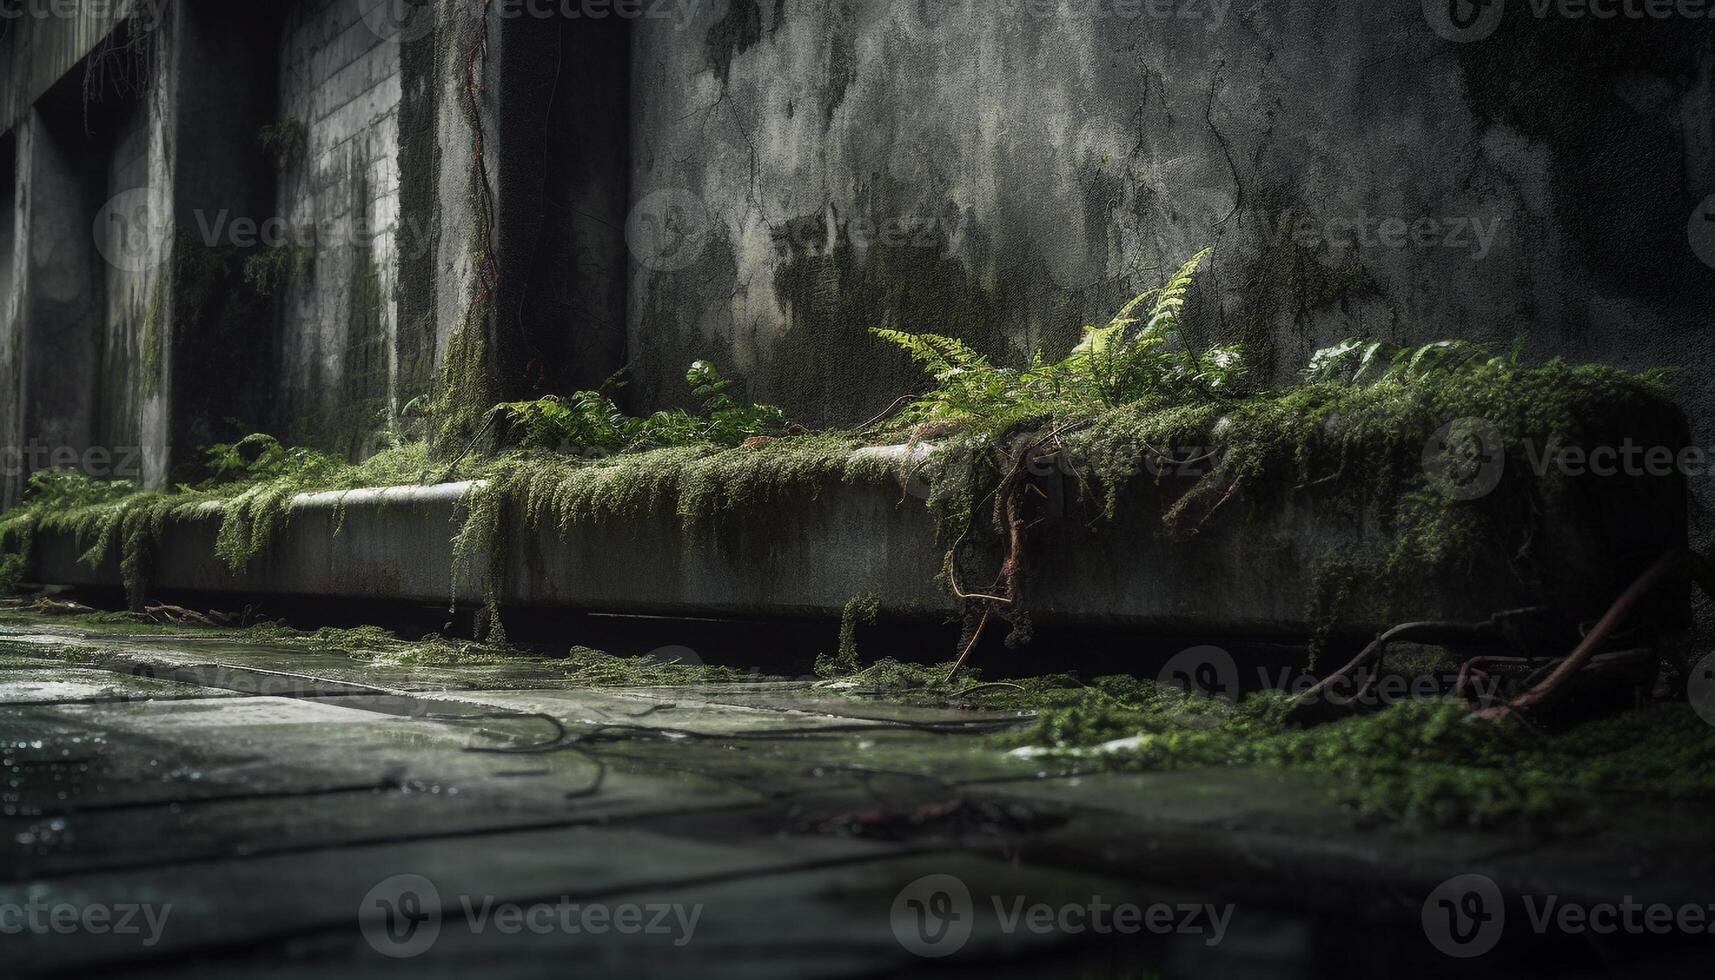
[(1170, 303), (942, 356)]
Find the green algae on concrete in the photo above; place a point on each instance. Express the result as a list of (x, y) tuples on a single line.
[(1419, 764), (1426, 762)]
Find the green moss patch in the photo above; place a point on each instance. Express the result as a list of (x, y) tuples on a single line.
[(1424, 763)]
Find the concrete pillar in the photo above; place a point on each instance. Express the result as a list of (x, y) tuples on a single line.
[(11, 365), (59, 308), (221, 73)]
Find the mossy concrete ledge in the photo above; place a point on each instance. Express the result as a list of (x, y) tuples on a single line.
[(1258, 573)]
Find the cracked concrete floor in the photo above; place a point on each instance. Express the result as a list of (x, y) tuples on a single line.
[(181, 805)]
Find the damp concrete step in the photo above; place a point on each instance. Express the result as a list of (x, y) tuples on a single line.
[(1256, 568)]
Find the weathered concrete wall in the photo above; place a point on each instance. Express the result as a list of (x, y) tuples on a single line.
[(339, 191), (980, 169), (60, 293), (11, 348), (761, 181), (133, 266), (40, 44)]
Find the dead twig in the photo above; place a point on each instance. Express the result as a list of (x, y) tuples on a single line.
[(1377, 647), (1669, 567)]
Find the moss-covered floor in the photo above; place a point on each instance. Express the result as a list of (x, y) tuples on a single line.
[(262, 782)]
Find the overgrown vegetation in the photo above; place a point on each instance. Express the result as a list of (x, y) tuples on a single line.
[(1418, 762), (589, 423), (1134, 402), (249, 491), (1133, 393), (1130, 359), (1351, 433), (860, 610), (270, 270), (152, 341), (284, 141)]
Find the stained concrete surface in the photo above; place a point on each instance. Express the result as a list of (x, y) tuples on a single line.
[(257, 800)]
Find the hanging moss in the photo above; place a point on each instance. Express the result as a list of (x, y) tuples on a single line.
[(284, 141), (11, 573), (465, 388), (860, 610), (273, 268), (152, 342), (1358, 449), (695, 485)]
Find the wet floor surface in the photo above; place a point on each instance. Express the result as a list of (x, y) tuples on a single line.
[(186, 805)]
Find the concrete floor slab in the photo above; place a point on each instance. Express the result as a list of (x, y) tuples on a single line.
[(795, 817)]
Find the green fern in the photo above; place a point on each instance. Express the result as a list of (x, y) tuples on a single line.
[(942, 357), (589, 422), (1114, 364)]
